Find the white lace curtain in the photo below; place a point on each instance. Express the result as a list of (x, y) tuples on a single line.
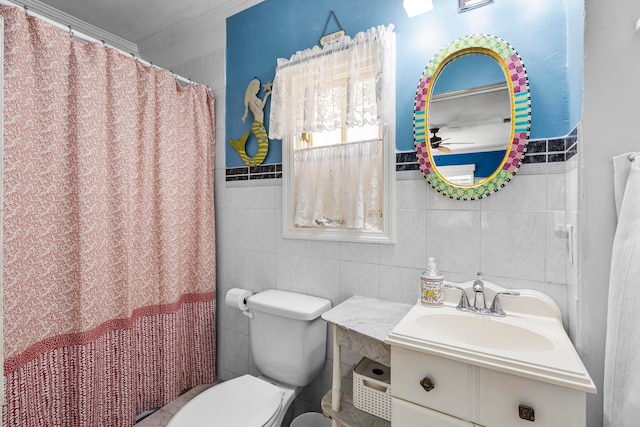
[(338, 185), (347, 84)]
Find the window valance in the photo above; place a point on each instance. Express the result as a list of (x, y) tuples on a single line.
[(344, 84)]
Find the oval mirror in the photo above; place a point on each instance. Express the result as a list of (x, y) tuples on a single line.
[(472, 117)]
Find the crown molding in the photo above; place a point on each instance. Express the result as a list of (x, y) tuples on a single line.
[(78, 25), (174, 32)]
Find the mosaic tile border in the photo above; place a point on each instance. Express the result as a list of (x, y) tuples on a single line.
[(244, 173), (552, 150)]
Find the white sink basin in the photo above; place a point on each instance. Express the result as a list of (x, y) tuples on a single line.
[(529, 342), (484, 331)]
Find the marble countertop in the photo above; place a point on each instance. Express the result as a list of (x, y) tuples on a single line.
[(370, 317)]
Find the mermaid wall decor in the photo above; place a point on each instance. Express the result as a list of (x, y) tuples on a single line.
[(256, 105)]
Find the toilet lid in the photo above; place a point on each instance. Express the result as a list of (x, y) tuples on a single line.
[(245, 401)]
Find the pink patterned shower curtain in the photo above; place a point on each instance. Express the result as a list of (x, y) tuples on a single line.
[(109, 240)]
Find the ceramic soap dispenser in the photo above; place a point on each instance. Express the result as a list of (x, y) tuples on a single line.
[(431, 283)]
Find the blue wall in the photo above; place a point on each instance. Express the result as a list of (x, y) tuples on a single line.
[(575, 54), (538, 30)]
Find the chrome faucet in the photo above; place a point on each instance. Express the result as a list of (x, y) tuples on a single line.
[(478, 288), (496, 307)]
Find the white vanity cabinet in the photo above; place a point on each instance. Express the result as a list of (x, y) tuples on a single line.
[(407, 414), (453, 368), (450, 381), (500, 399), (467, 395)]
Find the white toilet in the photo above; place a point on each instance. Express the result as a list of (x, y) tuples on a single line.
[(288, 343)]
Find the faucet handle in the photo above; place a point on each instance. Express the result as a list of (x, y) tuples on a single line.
[(464, 299), (496, 307)]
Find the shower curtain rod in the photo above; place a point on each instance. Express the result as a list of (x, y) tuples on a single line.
[(90, 39)]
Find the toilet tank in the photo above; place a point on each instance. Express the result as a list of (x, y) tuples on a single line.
[(288, 337)]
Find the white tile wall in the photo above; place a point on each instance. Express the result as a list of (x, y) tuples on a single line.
[(453, 238), (410, 247), (291, 273), (513, 244)]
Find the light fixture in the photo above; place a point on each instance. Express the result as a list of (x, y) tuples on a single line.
[(464, 5), (417, 7)]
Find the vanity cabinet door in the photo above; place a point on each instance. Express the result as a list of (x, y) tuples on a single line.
[(405, 414), (505, 400), (431, 381)]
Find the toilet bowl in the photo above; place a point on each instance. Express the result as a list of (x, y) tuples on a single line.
[(288, 343)]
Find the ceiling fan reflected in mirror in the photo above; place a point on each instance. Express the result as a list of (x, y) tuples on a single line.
[(437, 143)]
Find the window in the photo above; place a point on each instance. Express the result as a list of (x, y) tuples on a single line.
[(334, 109)]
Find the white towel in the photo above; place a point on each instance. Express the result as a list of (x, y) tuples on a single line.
[(622, 354)]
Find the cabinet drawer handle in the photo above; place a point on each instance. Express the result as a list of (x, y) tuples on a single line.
[(427, 384), (526, 413)]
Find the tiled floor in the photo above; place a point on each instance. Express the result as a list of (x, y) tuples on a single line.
[(161, 417)]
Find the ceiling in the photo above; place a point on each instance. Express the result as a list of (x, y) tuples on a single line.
[(140, 20)]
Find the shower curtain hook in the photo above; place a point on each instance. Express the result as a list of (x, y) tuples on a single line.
[(26, 11), (70, 31)]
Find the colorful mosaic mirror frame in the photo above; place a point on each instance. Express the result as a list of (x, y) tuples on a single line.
[(514, 70)]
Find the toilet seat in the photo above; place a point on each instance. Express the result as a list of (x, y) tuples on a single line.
[(245, 401)]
